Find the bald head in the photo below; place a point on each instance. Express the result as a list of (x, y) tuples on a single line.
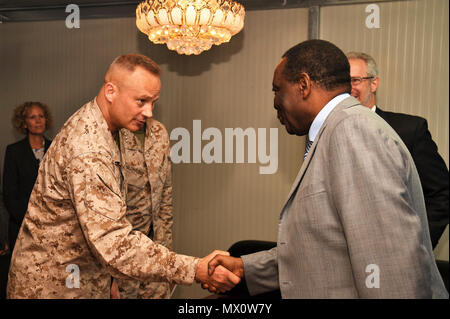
[(123, 66), (131, 61), (117, 75), (131, 88)]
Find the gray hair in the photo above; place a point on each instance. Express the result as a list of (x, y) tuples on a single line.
[(372, 68)]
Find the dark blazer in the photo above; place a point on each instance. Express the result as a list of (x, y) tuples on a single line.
[(4, 222), (19, 174), (432, 169)]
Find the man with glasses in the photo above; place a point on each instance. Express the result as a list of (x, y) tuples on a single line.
[(414, 132)]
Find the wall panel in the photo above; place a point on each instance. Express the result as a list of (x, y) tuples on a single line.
[(226, 87)]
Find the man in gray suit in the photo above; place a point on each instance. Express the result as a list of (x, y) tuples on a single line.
[(413, 130), (354, 224)]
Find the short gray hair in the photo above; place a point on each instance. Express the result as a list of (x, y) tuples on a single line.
[(372, 68)]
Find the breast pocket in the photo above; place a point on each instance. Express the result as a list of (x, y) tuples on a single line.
[(103, 195), (134, 169), (311, 190), (136, 179), (162, 170), (315, 214), (311, 206)]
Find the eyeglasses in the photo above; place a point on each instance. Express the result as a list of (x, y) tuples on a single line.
[(358, 80)]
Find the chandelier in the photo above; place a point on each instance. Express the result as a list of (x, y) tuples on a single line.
[(190, 26)]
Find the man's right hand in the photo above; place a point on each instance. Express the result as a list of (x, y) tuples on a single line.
[(220, 279), (233, 264)]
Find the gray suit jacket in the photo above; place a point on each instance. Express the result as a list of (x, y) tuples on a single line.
[(354, 220)]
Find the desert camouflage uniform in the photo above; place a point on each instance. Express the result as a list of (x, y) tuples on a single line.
[(149, 202), (76, 216)]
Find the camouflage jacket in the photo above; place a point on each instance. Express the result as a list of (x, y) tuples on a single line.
[(75, 235), (157, 170), (147, 170)]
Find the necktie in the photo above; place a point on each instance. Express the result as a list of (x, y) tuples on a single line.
[(308, 146)]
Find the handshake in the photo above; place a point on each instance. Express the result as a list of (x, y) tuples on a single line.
[(219, 272)]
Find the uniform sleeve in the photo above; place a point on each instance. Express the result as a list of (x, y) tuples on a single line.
[(434, 177), (95, 190), (369, 173)]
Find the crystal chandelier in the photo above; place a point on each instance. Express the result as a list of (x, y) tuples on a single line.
[(190, 26)]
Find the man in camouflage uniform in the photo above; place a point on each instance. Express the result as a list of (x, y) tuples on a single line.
[(147, 169), (75, 234)]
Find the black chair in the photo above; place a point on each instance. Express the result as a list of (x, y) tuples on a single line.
[(246, 247)]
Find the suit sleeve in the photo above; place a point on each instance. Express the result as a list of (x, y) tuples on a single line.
[(369, 174), (4, 222), (261, 271), (13, 204), (434, 177), (101, 211)]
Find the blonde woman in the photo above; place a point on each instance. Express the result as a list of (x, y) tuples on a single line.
[(22, 161)]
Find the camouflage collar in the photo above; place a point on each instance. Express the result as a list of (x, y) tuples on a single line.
[(103, 126)]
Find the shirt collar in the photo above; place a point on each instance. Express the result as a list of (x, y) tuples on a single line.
[(374, 108), (323, 114)]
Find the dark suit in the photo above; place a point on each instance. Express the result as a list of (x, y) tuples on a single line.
[(3, 225), (432, 169), (4, 259), (19, 174)]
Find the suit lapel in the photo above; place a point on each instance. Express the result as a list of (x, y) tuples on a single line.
[(379, 112), (302, 170), (30, 154), (47, 144), (348, 102)]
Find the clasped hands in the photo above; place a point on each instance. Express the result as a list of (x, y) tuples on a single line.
[(218, 272)]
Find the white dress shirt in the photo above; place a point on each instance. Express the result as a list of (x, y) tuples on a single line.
[(323, 114)]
